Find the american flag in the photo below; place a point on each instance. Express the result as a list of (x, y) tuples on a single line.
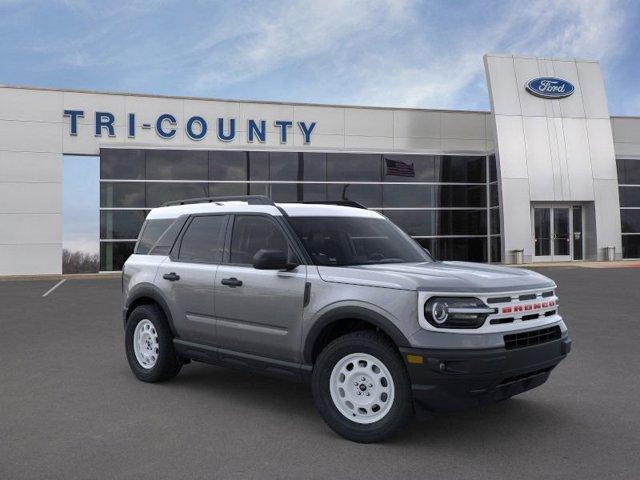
[(398, 168)]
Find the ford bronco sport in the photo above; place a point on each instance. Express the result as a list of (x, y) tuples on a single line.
[(338, 296)]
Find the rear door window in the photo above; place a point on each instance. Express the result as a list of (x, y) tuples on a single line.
[(203, 241)]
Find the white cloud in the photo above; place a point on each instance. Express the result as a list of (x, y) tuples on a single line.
[(394, 53)]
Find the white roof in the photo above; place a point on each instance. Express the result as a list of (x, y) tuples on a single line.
[(292, 209)]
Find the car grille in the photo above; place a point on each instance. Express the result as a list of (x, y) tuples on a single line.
[(534, 337)]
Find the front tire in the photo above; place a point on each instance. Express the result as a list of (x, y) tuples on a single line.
[(149, 345), (361, 387)]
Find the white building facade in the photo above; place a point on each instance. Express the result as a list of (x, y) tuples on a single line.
[(546, 172)]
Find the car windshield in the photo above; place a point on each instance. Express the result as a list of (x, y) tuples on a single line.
[(343, 241)]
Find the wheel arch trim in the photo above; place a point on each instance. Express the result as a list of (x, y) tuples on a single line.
[(148, 290), (351, 312)]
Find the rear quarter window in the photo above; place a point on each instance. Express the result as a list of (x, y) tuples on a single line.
[(151, 232)]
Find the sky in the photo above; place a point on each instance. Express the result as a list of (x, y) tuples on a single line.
[(391, 53), (400, 53)]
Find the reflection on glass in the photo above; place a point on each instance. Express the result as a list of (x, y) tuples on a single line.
[(631, 246), (463, 249), (115, 224), (630, 221), (126, 195), (159, 193), (440, 222), (367, 195), (125, 164), (114, 254), (177, 165), (354, 167), (284, 166), (629, 196), (542, 229), (561, 237), (577, 232), (228, 165)]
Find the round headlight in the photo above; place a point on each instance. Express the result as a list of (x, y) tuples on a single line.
[(440, 312)]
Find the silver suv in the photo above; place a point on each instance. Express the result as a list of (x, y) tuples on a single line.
[(336, 295)]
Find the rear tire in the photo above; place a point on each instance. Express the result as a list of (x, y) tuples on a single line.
[(361, 387), (149, 345)]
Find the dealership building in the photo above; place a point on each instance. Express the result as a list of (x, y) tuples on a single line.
[(546, 175)]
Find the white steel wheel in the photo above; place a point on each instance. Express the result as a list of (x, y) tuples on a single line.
[(145, 344), (362, 388)]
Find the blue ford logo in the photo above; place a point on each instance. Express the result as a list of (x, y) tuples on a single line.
[(550, 87)]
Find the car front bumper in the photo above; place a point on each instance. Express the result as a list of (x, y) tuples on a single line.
[(453, 379)]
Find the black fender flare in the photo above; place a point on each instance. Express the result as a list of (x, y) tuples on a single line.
[(354, 313), (148, 290)]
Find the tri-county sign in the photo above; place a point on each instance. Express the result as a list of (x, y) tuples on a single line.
[(549, 87), (196, 127)]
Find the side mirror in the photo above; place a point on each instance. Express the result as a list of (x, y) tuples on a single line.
[(272, 260)]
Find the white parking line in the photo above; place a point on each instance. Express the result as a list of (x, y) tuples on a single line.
[(54, 287)]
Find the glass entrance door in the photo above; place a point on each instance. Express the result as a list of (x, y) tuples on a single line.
[(557, 232), (561, 234)]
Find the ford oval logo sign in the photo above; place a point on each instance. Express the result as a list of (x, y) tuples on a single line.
[(550, 87)]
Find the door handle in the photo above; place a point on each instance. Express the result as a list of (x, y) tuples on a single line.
[(172, 277), (231, 282)]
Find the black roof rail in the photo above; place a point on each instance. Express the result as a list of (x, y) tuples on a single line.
[(342, 203), (250, 199)]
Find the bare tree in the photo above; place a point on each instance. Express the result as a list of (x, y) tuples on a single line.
[(80, 262)]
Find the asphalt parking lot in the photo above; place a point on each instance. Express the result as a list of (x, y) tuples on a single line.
[(70, 408)]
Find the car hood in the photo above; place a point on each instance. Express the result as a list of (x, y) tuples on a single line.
[(438, 277)]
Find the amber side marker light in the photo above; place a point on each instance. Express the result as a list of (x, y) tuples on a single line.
[(415, 359)]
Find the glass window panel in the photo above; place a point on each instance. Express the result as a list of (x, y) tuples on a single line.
[(496, 249), (368, 195), (314, 166), (258, 166), (355, 167), (631, 246), (284, 166), (127, 195), (114, 254), (409, 168), (629, 196), (159, 193), (494, 198), (461, 169), (542, 231), (116, 224), (229, 189), (405, 196), (258, 189), (630, 221), (493, 169), (314, 192), (495, 220), (228, 165), (286, 192), (177, 165), (413, 222), (203, 240), (252, 233), (628, 171), (462, 249), (458, 195), (122, 163), (440, 222)]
